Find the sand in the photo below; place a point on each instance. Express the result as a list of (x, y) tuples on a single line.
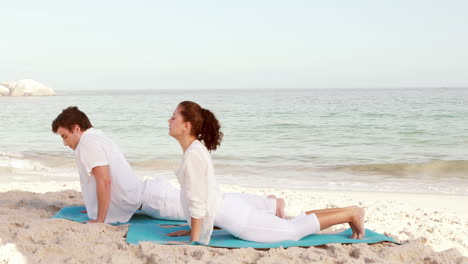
[(432, 227)]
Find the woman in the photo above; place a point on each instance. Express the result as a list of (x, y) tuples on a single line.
[(205, 205)]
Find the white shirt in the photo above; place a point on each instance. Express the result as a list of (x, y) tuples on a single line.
[(200, 195), (93, 150)]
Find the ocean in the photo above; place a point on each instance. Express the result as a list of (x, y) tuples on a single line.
[(398, 140)]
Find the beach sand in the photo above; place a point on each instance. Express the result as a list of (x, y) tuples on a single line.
[(433, 228)]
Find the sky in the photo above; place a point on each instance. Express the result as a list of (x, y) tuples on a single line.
[(248, 44)]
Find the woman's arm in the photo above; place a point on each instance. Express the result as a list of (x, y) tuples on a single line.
[(196, 229), (194, 185)]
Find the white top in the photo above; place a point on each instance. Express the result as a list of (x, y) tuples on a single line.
[(200, 195), (93, 150)]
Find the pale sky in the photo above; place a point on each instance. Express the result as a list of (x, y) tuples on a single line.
[(77, 45)]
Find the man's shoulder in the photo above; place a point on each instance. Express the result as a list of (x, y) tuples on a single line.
[(93, 138), (94, 135)]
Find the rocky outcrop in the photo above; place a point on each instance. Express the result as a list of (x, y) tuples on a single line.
[(26, 87)]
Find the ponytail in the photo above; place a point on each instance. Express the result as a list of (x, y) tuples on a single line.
[(210, 132), (205, 126)]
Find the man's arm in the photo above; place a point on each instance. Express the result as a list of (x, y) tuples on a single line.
[(103, 190)]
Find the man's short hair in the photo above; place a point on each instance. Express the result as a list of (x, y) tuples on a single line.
[(70, 117)]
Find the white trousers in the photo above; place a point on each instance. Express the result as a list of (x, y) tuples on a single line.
[(239, 218), (162, 200)]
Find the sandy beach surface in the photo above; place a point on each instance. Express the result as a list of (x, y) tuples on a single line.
[(432, 228)]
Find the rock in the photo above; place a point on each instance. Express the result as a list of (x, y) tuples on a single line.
[(26, 87), (4, 91), (10, 85)]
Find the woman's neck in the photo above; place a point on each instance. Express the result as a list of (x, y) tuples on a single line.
[(186, 142)]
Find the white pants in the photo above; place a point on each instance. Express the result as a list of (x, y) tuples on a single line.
[(161, 200), (239, 218)]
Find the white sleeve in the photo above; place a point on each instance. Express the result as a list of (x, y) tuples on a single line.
[(92, 155), (195, 184)]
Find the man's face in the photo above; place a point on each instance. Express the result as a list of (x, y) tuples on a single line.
[(70, 138)]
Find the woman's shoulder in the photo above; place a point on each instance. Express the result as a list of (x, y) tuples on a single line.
[(196, 149), (197, 146)]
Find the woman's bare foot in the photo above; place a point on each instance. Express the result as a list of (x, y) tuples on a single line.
[(357, 223), (353, 227), (280, 208)]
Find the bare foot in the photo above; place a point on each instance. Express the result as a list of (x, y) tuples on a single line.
[(280, 208), (358, 222), (353, 227)]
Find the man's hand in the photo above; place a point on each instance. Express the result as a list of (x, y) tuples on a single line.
[(179, 233)]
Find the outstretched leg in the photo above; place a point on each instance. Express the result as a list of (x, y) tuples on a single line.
[(353, 215)]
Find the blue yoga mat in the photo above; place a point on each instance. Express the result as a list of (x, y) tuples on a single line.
[(158, 234), (75, 214)]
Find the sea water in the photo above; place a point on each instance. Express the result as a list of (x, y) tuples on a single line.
[(404, 140)]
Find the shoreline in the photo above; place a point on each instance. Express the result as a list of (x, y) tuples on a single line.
[(57, 185), (430, 226)]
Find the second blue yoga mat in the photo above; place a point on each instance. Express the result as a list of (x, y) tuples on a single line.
[(158, 234)]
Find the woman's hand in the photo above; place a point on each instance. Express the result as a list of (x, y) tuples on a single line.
[(178, 242), (179, 233)]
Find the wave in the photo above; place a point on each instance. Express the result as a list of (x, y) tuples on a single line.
[(13, 162), (33, 162), (155, 164), (36, 162), (433, 168), (43, 162)]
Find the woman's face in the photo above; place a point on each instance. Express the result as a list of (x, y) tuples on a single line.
[(177, 125)]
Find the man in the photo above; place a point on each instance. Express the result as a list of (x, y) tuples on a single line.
[(111, 191)]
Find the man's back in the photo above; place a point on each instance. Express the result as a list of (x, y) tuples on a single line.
[(93, 150)]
